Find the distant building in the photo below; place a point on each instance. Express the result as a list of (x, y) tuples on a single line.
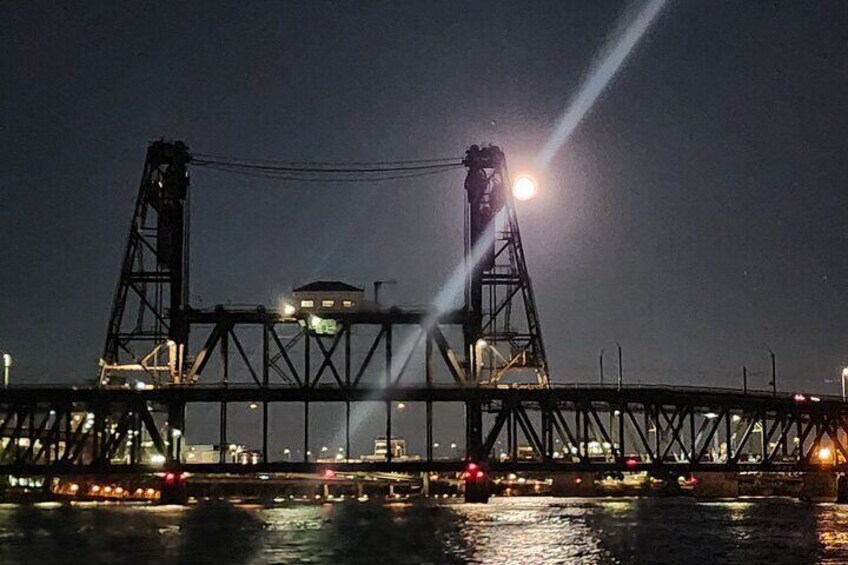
[(200, 454), (328, 296), (381, 448)]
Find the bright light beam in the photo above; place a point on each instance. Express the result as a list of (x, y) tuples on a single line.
[(444, 302), (606, 65)]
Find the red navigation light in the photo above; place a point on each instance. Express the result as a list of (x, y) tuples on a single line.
[(169, 478), (631, 463), (472, 471), (329, 474), (578, 480)]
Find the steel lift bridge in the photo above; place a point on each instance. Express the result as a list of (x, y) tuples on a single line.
[(162, 355)]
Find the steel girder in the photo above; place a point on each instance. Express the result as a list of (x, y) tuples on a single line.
[(58, 429)]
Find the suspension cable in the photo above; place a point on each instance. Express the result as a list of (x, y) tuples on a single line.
[(323, 171)]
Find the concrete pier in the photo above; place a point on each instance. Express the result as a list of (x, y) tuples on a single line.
[(714, 484), (577, 484), (819, 486)]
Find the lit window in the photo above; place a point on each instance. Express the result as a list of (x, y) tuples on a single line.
[(347, 303), (328, 303), (307, 303)]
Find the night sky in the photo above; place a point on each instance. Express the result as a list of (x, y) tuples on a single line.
[(696, 216)]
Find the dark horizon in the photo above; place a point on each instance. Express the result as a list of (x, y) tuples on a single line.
[(695, 216)]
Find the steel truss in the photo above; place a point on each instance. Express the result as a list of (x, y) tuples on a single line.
[(64, 430), (363, 349)]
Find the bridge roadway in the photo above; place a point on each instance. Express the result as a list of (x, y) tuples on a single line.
[(68, 430)]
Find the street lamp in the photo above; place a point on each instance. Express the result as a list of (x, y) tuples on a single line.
[(844, 376), (7, 363)]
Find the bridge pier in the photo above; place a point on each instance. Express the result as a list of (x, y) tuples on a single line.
[(477, 490), (842, 489), (716, 484), (577, 484), (173, 490), (819, 486)]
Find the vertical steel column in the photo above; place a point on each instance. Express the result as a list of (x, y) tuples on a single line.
[(693, 451), (346, 328), (68, 430), (307, 345), (347, 430), (225, 355), (222, 433), (265, 363), (548, 430), (429, 432), (474, 431), (428, 359), (31, 429), (728, 418), (621, 412), (388, 329), (513, 433), (306, 430)]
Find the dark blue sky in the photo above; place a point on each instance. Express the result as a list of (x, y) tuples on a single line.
[(696, 215)]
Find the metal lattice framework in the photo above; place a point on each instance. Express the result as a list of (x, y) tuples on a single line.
[(145, 325), (151, 318), (499, 341), (59, 430)]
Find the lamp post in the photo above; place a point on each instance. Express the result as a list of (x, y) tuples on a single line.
[(773, 382), (601, 363), (7, 363), (844, 376), (620, 369)]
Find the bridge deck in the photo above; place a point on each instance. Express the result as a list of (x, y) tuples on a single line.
[(561, 428)]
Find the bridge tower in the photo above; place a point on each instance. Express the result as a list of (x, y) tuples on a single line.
[(146, 329), (500, 342)]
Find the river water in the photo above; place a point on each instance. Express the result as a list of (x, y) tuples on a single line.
[(527, 531)]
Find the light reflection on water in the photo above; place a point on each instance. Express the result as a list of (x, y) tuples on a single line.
[(517, 530)]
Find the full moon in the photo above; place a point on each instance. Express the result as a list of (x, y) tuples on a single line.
[(524, 187)]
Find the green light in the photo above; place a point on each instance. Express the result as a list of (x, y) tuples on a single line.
[(322, 326)]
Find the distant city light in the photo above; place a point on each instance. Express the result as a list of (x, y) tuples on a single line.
[(523, 188)]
